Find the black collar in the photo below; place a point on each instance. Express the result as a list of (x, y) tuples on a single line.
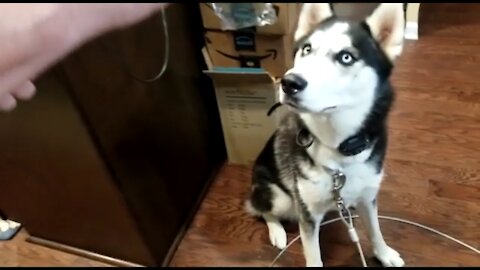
[(352, 146)]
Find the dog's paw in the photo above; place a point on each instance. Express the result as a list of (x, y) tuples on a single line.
[(278, 236), (315, 264), (389, 257)]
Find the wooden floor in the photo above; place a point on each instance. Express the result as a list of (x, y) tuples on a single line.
[(433, 167), (433, 170)]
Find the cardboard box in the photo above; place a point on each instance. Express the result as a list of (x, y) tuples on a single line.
[(243, 100), (287, 16), (247, 50)]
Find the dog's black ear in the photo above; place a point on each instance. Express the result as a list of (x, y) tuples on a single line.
[(387, 25), (310, 16)]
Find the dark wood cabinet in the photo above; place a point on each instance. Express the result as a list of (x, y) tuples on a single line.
[(102, 162)]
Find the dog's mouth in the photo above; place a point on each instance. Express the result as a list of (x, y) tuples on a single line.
[(302, 109), (328, 109), (298, 107), (293, 103)]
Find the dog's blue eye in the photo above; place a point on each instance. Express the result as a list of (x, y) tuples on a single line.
[(345, 58), (306, 49)]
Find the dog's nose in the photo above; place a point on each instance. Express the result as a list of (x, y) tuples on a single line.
[(293, 83)]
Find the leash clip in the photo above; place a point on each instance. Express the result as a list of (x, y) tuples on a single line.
[(339, 179)]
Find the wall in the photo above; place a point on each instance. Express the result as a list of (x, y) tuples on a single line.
[(412, 12)]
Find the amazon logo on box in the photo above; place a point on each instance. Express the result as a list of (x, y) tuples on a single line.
[(249, 50)]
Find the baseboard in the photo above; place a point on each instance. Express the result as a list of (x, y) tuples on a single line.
[(411, 31), (81, 252)]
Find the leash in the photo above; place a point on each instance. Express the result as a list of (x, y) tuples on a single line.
[(405, 221), (339, 180)]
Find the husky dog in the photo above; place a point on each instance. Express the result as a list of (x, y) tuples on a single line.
[(339, 96)]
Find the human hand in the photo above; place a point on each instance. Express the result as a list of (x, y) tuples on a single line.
[(36, 36)]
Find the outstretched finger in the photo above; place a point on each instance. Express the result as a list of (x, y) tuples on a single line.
[(7, 102), (25, 92)]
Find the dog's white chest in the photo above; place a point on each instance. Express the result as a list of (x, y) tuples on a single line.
[(362, 183)]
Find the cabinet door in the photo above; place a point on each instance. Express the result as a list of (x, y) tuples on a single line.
[(162, 140), (53, 180)]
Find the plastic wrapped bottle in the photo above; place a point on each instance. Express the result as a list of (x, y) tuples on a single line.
[(235, 16)]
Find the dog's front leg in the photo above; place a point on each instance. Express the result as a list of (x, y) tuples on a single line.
[(309, 233), (368, 212)]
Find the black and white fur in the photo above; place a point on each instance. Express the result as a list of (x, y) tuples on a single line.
[(342, 70)]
